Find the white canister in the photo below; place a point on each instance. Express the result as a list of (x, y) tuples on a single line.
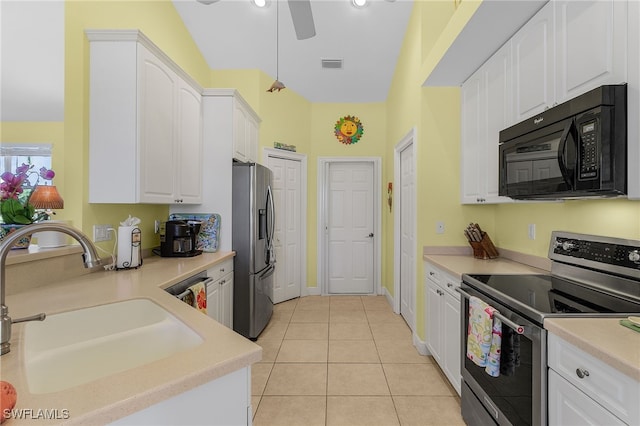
[(129, 247)]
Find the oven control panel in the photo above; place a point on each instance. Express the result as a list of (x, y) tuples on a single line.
[(598, 251)]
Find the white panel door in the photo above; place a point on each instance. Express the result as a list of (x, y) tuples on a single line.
[(157, 111), (533, 65), (286, 188), (350, 225), (407, 242), (591, 46)]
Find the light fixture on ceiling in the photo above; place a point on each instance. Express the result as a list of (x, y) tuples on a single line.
[(277, 85), (260, 3), (207, 1), (359, 3)]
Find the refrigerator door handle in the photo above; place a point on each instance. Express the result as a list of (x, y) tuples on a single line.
[(271, 226)]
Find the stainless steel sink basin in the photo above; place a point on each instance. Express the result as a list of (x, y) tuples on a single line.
[(76, 347)]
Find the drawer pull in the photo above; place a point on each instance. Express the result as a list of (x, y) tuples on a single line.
[(582, 373), (432, 273), (449, 285)]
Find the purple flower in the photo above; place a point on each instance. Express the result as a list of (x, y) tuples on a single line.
[(46, 173)]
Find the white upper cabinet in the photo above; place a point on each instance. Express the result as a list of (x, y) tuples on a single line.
[(470, 191), (145, 136), (533, 65), (591, 45), (245, 132), (486, 109), (566, 49)]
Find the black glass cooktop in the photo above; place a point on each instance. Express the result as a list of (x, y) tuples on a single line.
[(546, 295)]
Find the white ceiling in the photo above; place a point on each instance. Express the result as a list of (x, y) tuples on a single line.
[(235, 34)]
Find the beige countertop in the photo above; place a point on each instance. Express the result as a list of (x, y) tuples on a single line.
[(458, 265), (602, 338), (104, 400)]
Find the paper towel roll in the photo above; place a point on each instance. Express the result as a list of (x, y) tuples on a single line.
[(129, 247)]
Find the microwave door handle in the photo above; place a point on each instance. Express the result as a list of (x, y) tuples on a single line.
[(562, 159)]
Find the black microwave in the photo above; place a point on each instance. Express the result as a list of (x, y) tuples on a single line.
[(577, 149)]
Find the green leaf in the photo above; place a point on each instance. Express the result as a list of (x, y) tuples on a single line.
[(14, 212)]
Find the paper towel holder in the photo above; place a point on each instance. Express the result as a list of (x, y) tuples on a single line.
[(129, 248)]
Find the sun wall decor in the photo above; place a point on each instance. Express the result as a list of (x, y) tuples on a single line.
[(348, 130)]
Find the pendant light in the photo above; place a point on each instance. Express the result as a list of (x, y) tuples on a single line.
[(277, 85)]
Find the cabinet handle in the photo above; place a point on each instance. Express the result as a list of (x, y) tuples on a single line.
[(449, 285), (582, 373), (221, 269), (432, 273), (223, 281)]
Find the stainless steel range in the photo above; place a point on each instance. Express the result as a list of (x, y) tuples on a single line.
[(590, 276)]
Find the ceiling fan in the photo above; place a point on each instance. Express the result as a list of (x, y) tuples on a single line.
[(300, 14)]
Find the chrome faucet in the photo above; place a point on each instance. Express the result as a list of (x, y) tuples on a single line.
[(90, 256)]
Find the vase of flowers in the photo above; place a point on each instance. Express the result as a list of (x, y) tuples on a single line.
[(15, 192)]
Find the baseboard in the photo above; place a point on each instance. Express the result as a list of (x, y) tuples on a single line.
[(388, 296), (420, 345), (312, 291)]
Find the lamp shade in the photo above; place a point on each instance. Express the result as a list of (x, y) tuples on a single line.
[(46, 197)]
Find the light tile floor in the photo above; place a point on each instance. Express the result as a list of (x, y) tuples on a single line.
[(346, 360)]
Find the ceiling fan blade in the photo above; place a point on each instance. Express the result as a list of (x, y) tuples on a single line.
[(302, 18)]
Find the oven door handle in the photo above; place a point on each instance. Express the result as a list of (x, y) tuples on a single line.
[(516, 327)]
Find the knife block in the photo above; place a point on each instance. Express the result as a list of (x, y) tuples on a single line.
[(484, 249)]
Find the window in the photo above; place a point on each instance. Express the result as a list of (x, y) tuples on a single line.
[(13, 155)]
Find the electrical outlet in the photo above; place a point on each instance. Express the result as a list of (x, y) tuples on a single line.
[(101, 233), (439, 227), (532, 231)]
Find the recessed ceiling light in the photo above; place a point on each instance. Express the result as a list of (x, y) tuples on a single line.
[(359, 3), (259, 3)]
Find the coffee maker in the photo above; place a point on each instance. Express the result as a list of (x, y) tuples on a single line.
[(178, 238)]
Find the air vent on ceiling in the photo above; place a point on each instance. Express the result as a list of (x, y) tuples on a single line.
[(335, 64)]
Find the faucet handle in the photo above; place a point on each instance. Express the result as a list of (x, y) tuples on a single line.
[(38, 317)]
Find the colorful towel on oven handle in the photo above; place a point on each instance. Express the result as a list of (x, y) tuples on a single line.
[(493, 359), (479, 332)]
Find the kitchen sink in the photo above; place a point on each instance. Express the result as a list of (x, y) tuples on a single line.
[(76, 347)]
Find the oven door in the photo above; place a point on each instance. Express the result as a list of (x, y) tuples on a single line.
[(518, 395)]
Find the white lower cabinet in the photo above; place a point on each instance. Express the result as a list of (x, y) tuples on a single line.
[(225, 401), (443, 322), (220, 293), (585, 390)]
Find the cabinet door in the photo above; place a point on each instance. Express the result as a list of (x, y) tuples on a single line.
[(533, 65), (569, 406), (434, 295), (226, 300), (499, 115), (452, 336), (189, 145), (213, 300), (157, 103), (472, 140), (251, 143), (239, 132), (591, 45)]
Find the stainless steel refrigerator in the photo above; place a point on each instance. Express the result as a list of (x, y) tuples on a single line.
[(252, 240)]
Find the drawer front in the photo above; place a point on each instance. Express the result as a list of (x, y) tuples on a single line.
[(443, 279), (614, 390), (220, 269), (433, 273)]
